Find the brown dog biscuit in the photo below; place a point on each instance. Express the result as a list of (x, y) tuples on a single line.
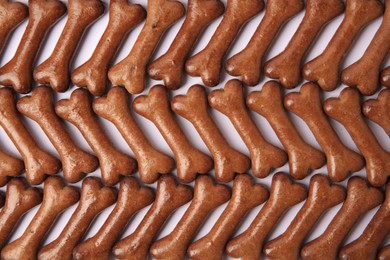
[(40, 108), (194, 108), (55, 70), (231, 102), (360, 199), (385, 77), (307, 104), (283, 195), (248, 63), (287, 65), (268, 103), (56, 198), (38, 162), (384, 253), (115, 108), (208, 195), (94, 198), (78, 111), (347, 110), (170, 66), (156, 108), (18, 71), (9, 167), (379, 110), (325, 69), (130, 72), (207, 63), (20, 198), (170, 196), (322, 196), (131, 198)]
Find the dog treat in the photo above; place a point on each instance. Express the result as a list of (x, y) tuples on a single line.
[(325, 69), (115, 108), (207, 196), (18, 71), (231, 102), (322, 196), (94, 198), (287, 65), (207, 63), (9, 167), (123, 16), (367, 245), (156, 108), (78, 111), (38, 162), (130, 72), (55, 70), (268, 103), (20, 198), (194, 108), (131, 198), (384, 254), (170, 196), (379, 110), (360, 199), (284, 194), (307, 104), (385, 77), (248, 63), (170, 66), (347, 110), (56, 198), (40, 108)]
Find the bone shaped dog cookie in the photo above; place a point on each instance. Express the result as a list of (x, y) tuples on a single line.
[(248, 63), (307, 104), (78, 111), (170, 196), (94, 198), (287, 65), (347, 110), (9, 167), (40, 108), (385, 77), (207, 63), (384, 253), (283, 195), (231, 102), (18, 71), (194, 108), (130, 72), (379, 110), (56, 198), (115, 108), (268, 103), (156, 108)]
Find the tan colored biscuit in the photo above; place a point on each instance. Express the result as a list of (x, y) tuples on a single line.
[(20, 198), (38, 162), (322, 196), (246, 195), (384, 253), (249, 62), (9, 167), (208, 62), (170, 196), (307, 104), (360, 199), (131, 71), (287, 65), (284, 194), (268, 103), (231, 102), (40, 108), (189, 160), (208, 195), (170, 66), (18, 71), (131, 198), (115, 108), (94, 198), (78, 111), (379, 110), (347, 110), (56, 198)]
